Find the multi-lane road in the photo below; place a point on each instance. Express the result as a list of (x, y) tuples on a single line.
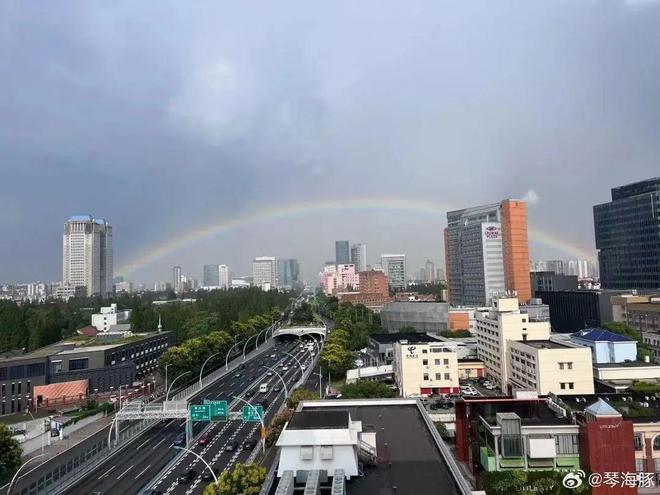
[(130, 471)]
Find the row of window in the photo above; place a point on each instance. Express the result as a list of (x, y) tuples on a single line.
[(22, 371), (436, 362), (15, 388), (438, 376), (307, 453)]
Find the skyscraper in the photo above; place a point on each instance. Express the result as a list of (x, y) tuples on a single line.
[(211, 276), (87, 259), (486, 252), (223, 276), (359, 256), (429, 269), (627, 231), (394, 266), (264, 272), (177, 285), (556, 266), (342, 253), (288, 272)]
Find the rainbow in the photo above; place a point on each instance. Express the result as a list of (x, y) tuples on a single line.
[(222, 225)]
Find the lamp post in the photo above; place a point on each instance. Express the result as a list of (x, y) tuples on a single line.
[(246, 344), (286, 390), (228, 353), (13, 480), (263, 426), (259, 335), (166, 366), (208, 466), (167, 395), (302, 373), (202, 370)]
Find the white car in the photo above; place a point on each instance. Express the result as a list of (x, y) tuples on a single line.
[(489, 386), (303, 367), (285, 368), (270, 373), (469, 391)]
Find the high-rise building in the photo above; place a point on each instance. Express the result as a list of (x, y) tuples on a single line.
[(374, 282), (87, 259), (556, 266), (264, 272), (429, 269), (627, 233), (342, 253), (211, 276), (394, 266), (359, 256), (223, 276), (288, 273), (486, 252), (177, 285)]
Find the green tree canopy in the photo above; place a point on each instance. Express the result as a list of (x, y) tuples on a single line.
[(10, 455), (367, 389), (300, 394), (245, 479)]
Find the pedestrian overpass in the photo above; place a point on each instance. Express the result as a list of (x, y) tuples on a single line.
[(300, 331)]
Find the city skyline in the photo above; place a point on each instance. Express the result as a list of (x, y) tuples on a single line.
[(252, 127)]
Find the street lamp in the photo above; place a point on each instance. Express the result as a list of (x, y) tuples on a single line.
[(259, 335), (208, 466), (302, 373), (263, 426), (228, 353), (167, 395), (13, 480), (246, 343), (166, 366), (286, 391), (202, 370)]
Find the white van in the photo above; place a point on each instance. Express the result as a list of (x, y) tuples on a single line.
[(263, 388)]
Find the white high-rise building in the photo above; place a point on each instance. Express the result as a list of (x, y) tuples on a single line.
[(359, 257), (394, 266), (177, 279), (429, 271), (223, 275), (87, 254), (264, 272)]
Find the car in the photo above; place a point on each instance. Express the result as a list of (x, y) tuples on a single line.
[(241, 367), (469, 391), (237, 375), (187, 477), (482, 379), (490, 386), (180, 440), (249, 444), (208, 476), (276, 389), (263, 403), (231, 446), (251, 378), (434, 405), (285, 368), (204, 440), (270, 373), (303, 367), (273, 356)]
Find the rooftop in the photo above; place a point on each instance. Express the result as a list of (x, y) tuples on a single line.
[(532, 412), (625, 364), (408, 457), (391, 338), (600, 335), (312, 420), (545, 344)]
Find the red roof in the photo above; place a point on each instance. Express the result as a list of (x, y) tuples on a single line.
[(74, 388), (88, 331)]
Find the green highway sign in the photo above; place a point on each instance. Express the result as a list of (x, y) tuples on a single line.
[(219, 409), (200, 412), (253, 414)]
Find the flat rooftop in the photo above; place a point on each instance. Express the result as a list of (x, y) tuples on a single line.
[(531, 412), (324, 419), (545, 344), (626, 364), (391, 338), (408, 457)]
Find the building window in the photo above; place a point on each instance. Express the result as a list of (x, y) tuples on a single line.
[(437, 362), (561, 366), (425, 376), (656, 443), (571, 385), (445, 361), (447, 376), (56, 367), (78, 364), (425, 362), (306, 453), (562, 386), (567, 444), (639, 465), (438, 376), (639, 442), (326, 452), (424, 351), (569, 366)]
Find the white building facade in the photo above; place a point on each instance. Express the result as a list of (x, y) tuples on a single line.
[(87, 259), (394, 266), (425, 368), (264, 272)]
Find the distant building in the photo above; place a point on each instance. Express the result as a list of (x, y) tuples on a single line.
[(177, 285), (372, 301), (109, 317), (340, 278), (606, 346), (211, 276), (394, 266), (342, 253), (627, 231), (429, 271), (556, 266), (431, 317), (359, 256), (487, 252), (373, 281), (549, 280), (223, 276), (288, 273), (87, 259), (264, 272), (124, 286)]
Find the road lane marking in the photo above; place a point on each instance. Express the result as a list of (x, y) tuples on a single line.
[(154, 447), (129, 468), (143, 471), (143, 443), (106, 473)]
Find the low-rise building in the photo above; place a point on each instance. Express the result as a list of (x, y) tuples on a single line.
[(425, 368), (606, 346), (549, 367), (380, 346), (110, 317)]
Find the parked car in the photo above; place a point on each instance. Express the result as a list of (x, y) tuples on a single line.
[(489, 386), (204, 440), (188, 476), (231, 446), (469, 391)]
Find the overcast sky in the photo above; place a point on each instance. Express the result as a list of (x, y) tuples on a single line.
[(166, 117)]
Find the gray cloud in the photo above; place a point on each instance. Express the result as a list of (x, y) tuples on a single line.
[(166, 117)]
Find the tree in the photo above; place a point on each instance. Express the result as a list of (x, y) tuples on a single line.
[(367, 390), (407, 329), (336, 358), (277, 425), (245, 479), (456, 334), (300, 394), (10, 455), (442, 429)]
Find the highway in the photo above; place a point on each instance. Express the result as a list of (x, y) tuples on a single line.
[(130, 470)]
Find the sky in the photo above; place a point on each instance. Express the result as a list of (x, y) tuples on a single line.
[(214, 132)]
